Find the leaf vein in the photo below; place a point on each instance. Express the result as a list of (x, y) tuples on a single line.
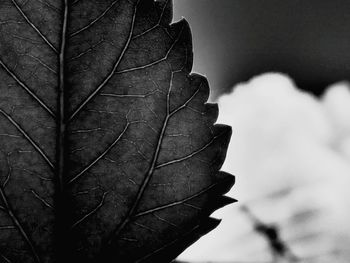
[(43, 63), (91, 212), (187, 102), (7, 227), (33, 26), (110, 75), (156, 25), (94, 21), (5, 258), (100, 156), (149, 173), (179, 202), (191, 154), (87, 51), (26, 135), (19, 226), (156, 61), (41, 199), (27, 89)]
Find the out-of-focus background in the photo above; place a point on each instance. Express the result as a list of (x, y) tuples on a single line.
[(290, 148)]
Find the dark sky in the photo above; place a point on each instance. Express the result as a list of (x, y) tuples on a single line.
[(237, 39)]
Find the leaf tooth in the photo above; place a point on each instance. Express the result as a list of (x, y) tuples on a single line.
[(226, 183), (169, 251), (217, 203), (214, 187)]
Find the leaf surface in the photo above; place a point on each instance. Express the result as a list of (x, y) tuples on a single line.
[(108, 149)]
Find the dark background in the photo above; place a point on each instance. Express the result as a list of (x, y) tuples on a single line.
[(237, 39)]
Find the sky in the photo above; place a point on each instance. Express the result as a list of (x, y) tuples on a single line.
[(290, 148), (235, 40)]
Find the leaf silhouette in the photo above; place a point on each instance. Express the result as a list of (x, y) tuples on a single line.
[(108, 149)]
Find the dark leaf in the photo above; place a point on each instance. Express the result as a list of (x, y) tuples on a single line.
[(108, 149)]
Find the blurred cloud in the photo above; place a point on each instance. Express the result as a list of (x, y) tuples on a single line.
[(290, 153)]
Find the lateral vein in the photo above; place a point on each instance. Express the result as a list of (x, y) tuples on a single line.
[(95, 20), (34, 27), (156, 25), (182, 201), (27, 89), (110, 75), (26, 135), (149, 173), (164, 58), (189, 155), (100, 156), (91, 212), (19, 226)]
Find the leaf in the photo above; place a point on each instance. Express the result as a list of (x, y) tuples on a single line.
[(108, 151)]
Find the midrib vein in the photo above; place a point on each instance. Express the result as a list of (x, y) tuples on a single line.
[(61, 102), (61, 216)]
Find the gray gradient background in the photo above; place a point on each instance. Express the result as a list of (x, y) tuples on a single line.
[(235, 40)]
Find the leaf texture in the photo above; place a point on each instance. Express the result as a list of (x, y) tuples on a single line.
[(108, 149)]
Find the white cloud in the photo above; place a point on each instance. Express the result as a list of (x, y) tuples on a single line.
[(336, 101), (290, 153)]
